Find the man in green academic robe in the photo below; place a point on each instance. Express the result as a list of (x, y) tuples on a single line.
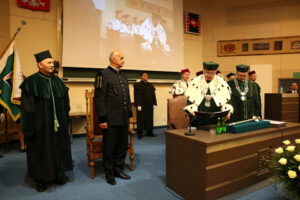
[(244, 96), (208, 93), (252, 78), (44, 122)]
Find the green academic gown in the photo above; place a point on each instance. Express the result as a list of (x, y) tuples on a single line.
[(244, 109), (44, 122)]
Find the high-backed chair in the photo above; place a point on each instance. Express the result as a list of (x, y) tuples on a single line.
[(133, 124), (94, 136), (177, 118)]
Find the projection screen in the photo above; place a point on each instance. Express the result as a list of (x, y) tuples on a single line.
[(148, 32)]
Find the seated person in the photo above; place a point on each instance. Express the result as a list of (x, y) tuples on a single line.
[(293, 88)]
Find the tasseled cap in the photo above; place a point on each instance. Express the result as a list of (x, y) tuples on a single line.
[(42, 56), (210, 65)]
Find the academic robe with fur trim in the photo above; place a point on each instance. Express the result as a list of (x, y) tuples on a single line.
[(244, 109), (179, 88), (144, 96), (44, 122), (219, 91)]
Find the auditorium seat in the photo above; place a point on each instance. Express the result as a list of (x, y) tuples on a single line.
[(177, 118)]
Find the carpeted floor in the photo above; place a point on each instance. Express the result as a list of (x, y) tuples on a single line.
[(147, 182)]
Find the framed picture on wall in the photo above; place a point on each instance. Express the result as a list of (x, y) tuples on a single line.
[(295, 44), (278, 45), (259, 46), (245, 46), (229, 47), (192, 23)]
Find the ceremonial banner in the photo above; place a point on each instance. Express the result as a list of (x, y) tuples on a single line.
[(43, 5), (192, 23), (11, 77)]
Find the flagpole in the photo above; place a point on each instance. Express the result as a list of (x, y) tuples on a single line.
[(12, 38)]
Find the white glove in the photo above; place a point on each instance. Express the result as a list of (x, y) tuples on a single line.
[(2, 116), (154, 106), (139, 108)]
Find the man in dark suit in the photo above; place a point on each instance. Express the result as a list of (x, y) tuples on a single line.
[(145, 102), (293, 88), (113, 108)]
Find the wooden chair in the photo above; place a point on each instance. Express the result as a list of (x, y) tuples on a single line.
[(133, 124), (94, 135), (177, 118)]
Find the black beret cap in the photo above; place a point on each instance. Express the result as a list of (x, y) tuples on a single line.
[(42, 55), (230, 74)]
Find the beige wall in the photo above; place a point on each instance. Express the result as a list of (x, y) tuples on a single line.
[(4, 23), (221, 20), (231, 19), (39, 34), (193, 45)]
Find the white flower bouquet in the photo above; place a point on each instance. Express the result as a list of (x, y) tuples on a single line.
[(285, 164)]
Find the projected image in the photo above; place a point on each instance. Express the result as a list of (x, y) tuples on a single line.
[(150, 29), (147, 31)]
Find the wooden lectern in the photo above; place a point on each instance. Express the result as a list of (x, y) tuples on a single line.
[(282, 107)]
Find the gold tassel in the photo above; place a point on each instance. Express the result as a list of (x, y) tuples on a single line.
[(100, 82), (56, 124)]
